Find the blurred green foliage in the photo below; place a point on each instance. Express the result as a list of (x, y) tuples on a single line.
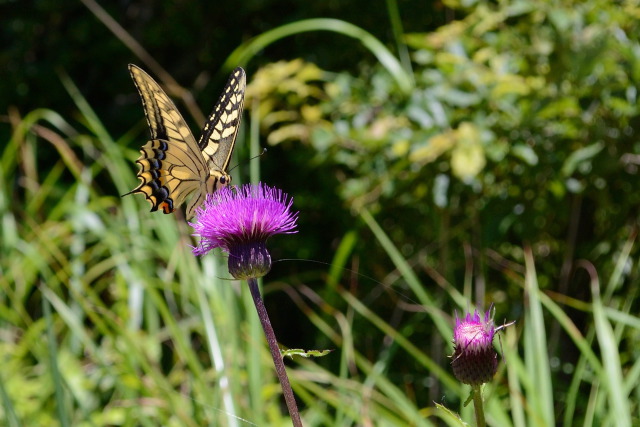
[(191, 39), (521, 128), (519, 131)]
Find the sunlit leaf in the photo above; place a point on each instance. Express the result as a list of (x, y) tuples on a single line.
[(526, 153), (467, 157), (433, 148), (291, 352), (581, 155)]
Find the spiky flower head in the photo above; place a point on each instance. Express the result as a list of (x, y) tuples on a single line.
[(474, 361), (239, 220)]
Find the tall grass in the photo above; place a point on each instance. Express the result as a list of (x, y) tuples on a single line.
[(141, 333), (108, 319)]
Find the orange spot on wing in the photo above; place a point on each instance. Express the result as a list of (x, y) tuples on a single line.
[(166, 207)]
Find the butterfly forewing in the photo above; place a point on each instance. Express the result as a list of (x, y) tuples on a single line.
[(220, 131), (172, 164), (165, 121)]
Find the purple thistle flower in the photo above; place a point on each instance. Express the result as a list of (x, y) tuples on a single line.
[(239, 220), (475, 362)]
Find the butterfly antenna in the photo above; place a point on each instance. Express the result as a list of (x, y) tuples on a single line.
[(264, 150)]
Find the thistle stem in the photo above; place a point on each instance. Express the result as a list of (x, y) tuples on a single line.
[(478, 406), (275, 352)]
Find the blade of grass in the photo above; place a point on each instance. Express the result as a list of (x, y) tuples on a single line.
[(409, 276), (622, 260), (247, 50), (396, 25), (536, 357), (515, 389), (346, 356), (614, 384), (121, 180), (254, 350), (96, 127), (145, 57), (418, 355), (9, 412), (573, 332), (339, 261), (361, 406), (216, 356), (61, 405), (400, 402)]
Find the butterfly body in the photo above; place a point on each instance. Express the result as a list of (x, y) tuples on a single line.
[(172, 164)]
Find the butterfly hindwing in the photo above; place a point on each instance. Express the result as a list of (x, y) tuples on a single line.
[(172, 164), (168, 175)]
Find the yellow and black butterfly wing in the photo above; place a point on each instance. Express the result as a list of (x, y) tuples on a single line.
[(171, 163), (221, 129)]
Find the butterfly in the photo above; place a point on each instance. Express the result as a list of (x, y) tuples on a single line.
[(172, 164)]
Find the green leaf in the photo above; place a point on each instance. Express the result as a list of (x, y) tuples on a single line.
[(304, 353), (579, 156), (448, 416), (526, 153)]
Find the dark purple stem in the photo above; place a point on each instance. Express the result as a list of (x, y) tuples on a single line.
[(275, 352)]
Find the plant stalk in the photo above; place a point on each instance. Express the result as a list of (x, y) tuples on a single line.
[(275, 352), (478, 406)]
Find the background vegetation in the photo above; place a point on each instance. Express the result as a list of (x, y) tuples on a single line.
[(442, 156)]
